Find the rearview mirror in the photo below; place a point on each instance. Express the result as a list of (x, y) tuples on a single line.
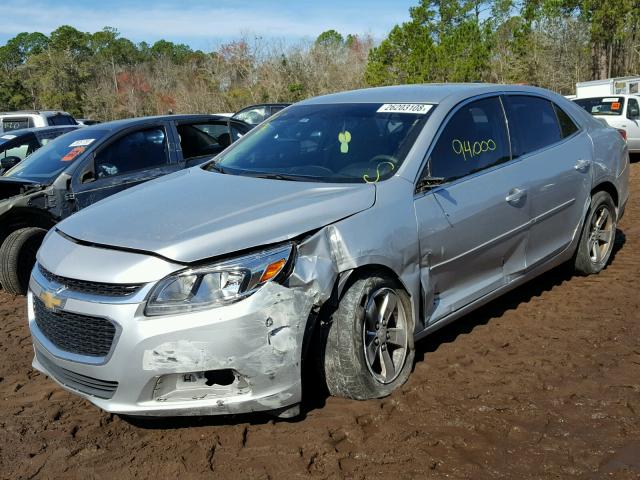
[(8, 162)]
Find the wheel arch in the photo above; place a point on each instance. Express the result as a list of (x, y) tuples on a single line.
[(610, 188), (22, 217)]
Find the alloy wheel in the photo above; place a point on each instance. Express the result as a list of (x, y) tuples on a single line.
[(385, 335)]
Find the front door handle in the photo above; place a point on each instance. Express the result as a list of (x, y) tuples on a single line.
[(582, 165), (515, 195)]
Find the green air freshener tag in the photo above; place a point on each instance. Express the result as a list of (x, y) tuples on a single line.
[(344, 138)]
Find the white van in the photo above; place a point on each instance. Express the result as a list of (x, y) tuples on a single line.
[(618, 111)]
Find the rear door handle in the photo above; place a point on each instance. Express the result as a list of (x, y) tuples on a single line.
[(582, 165), (516, 194)]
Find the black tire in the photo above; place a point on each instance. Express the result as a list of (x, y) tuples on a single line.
[(17, 257), (591, 258), (347, 372)]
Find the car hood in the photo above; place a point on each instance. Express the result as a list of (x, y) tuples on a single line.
[(195, 214)]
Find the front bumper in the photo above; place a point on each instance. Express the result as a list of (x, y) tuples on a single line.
[(157, 365)]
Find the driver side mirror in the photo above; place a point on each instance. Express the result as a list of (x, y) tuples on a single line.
[(633, 113), (8, 162), (427, 183)]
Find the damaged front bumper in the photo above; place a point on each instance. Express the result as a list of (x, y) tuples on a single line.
[(238, 358)]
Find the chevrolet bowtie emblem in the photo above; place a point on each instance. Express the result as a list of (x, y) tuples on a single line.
[(50, 300)]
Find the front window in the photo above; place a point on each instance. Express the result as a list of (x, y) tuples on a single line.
[(475, 138), (46, 163), (61, 119), (610, 106), (355, 143), (140, 150)]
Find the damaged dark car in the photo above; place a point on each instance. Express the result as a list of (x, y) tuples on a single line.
[(89, 164)]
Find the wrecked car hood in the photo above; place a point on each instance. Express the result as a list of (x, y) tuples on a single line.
[(11, 187), (194, 214)]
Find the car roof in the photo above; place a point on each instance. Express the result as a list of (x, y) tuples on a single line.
[(132, 122), (427, 93), (25, 131), (34, 112)]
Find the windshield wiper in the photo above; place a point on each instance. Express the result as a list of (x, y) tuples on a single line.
[(213, 165), (281, 176)]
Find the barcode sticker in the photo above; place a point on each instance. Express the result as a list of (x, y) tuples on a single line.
[(415, 108)]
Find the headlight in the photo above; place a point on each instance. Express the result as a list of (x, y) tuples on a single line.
[(217, 284)]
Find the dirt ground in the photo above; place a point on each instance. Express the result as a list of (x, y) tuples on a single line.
[(543, 383)]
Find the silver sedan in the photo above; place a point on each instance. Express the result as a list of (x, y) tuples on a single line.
[(338, 232)]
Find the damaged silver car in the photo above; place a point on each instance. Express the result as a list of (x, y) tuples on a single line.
[(345, 227)]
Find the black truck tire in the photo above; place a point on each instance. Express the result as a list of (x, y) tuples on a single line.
[(17, 257)]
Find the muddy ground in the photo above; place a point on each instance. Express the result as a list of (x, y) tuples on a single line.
[(544, 383)]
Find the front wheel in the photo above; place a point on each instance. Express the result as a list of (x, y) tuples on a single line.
[(598, 235), (369, 349)]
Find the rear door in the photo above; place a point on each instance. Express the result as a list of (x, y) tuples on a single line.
[(473, 228), (130, 158), (558, 155)]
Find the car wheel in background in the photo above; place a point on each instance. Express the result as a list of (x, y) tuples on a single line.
[(369, 349), (17, 257), (598, 235)]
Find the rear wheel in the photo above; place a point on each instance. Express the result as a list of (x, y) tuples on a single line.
[(17, 257), (369, 349), (598, 235)]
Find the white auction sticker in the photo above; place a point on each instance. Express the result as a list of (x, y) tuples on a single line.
[(415, 108), (8, 137), (82, 143), (610, 100)]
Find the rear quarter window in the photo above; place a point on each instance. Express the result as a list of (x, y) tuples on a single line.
[(567, 126)]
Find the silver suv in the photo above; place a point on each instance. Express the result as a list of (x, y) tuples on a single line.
[(345, 227), (10, 121)]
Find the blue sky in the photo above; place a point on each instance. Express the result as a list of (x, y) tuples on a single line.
[(205, 24)]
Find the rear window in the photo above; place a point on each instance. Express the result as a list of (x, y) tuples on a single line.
[(15, 123), (610, 106)]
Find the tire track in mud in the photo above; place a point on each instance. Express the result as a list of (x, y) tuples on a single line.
[(542, 383)]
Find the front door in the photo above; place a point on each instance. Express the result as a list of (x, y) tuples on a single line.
[(632, 124), (133, 158), (473, 228)]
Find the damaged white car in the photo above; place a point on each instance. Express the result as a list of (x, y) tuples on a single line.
[(344, 227)]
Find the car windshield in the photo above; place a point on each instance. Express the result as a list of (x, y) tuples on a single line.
[(602, 105), (354, 143), (45, 164)]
